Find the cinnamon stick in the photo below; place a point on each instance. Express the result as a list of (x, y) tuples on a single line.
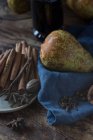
[(17, 61), (29, 51), (35, 59), (7, 68), (22, 82), (1, 55), (3, 60), (29, 69), (25, 47), (18, 47)]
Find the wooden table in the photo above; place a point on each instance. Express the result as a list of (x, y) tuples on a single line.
[(12, 28)]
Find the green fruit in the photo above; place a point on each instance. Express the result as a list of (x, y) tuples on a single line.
[(62, 52), (83, 8), (19, 6)]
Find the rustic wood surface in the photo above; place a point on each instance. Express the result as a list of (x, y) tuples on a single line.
[(17, 27)]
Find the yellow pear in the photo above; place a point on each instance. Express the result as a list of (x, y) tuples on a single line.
[(62, 52), (70, 3), (83, 8), (19, 6)]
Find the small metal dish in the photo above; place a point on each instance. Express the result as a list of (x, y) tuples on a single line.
[(5, 106)]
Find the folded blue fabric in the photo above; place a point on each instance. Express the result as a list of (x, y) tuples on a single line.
[(55, 85)]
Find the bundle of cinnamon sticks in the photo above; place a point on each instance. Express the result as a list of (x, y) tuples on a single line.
[(12, 61)]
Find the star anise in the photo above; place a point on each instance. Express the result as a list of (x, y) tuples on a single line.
[(17, 124), (68, 103)]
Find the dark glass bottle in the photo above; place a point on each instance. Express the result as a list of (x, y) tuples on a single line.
[(47, 15)]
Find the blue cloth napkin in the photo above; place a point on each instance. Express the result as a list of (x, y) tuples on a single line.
[(54, 85)]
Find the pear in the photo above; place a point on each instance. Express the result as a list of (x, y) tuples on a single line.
[(83, 8), (19, 6), (62, 52), (70, 4)]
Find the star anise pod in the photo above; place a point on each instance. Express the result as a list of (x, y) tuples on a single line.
[(17, 124)]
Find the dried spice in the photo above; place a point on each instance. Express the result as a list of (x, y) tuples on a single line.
[(8, 91), (17, 62), (22, 80), (25, 99), (81, 96), (13, 97), (7, 68), (33, 86), (71, 102), (21, 87), (68, 103), (17, 124), (3, 60), (29, 68)]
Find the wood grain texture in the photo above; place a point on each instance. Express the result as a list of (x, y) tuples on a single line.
[(17, 27)]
